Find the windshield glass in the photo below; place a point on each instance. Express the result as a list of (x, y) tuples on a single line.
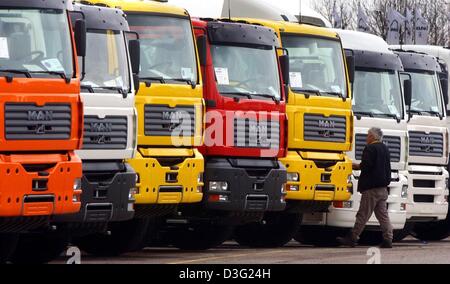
[(106, 61), (377, 93), (316, 65), (249, 71), (426, 95), (35, 41), (167, 48)]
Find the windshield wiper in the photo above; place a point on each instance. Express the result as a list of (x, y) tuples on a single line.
[(88, 87), (120, 90), (12, 71), (414, 111), (151, 79), (337, 94), (432, 112), (308, 93), (247, 95), (267, 96), (394, 116), (56, 73), (188, 81), (363, 113)]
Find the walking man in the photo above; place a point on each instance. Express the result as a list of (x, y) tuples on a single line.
[(374, 180)]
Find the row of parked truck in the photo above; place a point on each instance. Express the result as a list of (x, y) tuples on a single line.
[(129, 123)]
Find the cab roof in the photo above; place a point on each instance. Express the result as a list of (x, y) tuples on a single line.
[(43, 4), (102, 18), (355, 40), (144, 6)]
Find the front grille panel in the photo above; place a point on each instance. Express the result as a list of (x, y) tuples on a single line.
[(161, 120), (426, 145), (30, 122), (249, 133), (325, 129), (394, 143), (109, 133)]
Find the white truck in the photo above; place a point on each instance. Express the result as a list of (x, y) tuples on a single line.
[(428, 148), (377, 101)]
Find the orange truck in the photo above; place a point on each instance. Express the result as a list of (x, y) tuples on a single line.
[(41, 117)]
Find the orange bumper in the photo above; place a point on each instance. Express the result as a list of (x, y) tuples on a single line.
[(39, 185)]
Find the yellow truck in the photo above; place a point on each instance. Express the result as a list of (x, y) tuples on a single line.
[(320, 131), (170, 109)]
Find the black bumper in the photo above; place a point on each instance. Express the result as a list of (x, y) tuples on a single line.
[(254, 185), (107, 200)]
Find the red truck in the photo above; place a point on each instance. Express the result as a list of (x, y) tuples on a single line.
[(244, 90)]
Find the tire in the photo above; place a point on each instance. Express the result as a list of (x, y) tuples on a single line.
[(371, 238), (400, 235), (436, 231), (277, 230), (320, 236), (200, 237), (125, 237), (8, 243), (39, 248)]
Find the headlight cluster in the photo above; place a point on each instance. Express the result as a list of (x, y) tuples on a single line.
[(218, 186), (293, 177), (404, 191), (77, 184)]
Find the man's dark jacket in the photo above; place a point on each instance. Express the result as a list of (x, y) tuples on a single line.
[(375, 167)]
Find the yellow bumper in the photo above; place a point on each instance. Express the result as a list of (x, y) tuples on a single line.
[(186, 176), (316, 182)]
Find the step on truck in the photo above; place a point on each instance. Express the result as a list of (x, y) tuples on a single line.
[(320, 131), (245, 128), (377, 102), (41, 112), (170, 109), (428, 148)]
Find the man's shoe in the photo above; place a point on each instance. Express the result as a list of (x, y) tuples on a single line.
[(386, 244), (347, 241)]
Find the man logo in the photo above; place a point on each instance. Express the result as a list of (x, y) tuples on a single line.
[(327, 124), (40, 115), (426, 140), (173, 116), (101, 127)]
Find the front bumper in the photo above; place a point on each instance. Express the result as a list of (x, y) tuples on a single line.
[(427, 193), (346, 217), (326, 183), (39, 184), (105, 200), (251, 188), (177, 183)]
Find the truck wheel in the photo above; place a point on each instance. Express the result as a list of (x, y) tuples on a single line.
[(436, 231), (277, 230), (400, 235), (320, 236), (371, 238), (125, 237), (39, 248), (200, 236), (8, 243)]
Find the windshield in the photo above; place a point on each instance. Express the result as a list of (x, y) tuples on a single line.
[(426, 95), (316, 65), (377, 93), (35, 41), (106, 61), (246, 71), (167, 48)]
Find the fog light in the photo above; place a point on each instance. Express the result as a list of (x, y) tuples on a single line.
[(138, 178), (77, 184), (404, 191), (349, 180), (76, 198), (199, 189), (293, 177), (343, 204), (133, 192), (218, 198), (218, 186), (283, 189), (403, 207), (293, 188), (200, 178)]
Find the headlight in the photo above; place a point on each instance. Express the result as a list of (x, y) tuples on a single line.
[(218, 186), (404, 191), (349, 179), (200, 178), (446, 183), (77, 184), (76, 198), (283, 189), (138, 178), (293, 177), (133, 192)]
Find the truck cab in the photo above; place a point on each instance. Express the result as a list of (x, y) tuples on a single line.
[(245, 129), (170, 108), (428, 147), (377, 102), (42, 115)]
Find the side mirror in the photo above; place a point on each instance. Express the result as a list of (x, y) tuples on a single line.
[(80, 37), (285, 68), (351, 66), (407, 87), (136, 82), (201, 47), (444, 86), (135, 55)]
